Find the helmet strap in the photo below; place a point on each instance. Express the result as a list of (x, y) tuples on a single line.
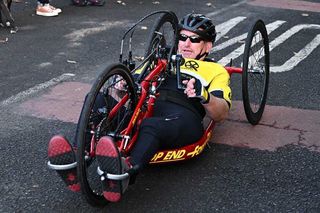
[(201, 55)]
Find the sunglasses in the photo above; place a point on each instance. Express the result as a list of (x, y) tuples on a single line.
[(193, 39)]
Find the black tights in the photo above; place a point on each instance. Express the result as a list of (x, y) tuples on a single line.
[(172, 126)]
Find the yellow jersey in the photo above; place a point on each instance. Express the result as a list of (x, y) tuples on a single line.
[(214, 77)]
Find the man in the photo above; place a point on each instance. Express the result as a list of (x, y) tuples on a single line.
[(178, 115)]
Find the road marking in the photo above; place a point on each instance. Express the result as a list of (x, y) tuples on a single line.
[(242, 37), (239, 51), (23, 95), (302, 54), (225, 27), (288, 4), (76, 36), (288, 65), (298, 57), (226, 9)]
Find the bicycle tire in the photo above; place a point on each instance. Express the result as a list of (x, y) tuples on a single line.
[(94, 120), (153, 40), (256, 70)]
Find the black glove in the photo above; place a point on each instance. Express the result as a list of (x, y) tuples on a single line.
[(201, 92)]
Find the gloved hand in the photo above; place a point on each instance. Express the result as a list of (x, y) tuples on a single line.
[(194, 89)]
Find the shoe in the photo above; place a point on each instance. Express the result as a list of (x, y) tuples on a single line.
[(96, 2), (58, 10), (61, 153), (109, 161), (46, 10)]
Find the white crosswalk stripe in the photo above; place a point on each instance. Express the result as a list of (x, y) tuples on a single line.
[(231, 25)]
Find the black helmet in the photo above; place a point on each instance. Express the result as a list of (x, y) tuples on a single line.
[(200, 25)]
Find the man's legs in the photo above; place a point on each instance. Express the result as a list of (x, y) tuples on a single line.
[(173, 126)]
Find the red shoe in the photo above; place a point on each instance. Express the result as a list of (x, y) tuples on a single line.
[(46, 10), (62, 159), (109, 161)]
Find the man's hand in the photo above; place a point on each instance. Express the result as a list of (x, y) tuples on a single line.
[(216, 108), (194, 89), (190, 91), (120, 84)]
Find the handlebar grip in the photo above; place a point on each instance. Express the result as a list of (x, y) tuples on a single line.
[(179, 61)]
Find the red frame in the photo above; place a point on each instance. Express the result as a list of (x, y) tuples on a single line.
[(126, 144)]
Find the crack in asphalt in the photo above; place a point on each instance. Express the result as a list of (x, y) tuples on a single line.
[(301, 136), (273, 125)]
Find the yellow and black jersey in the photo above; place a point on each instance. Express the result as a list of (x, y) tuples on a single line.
[(211, 75), (214, 77)]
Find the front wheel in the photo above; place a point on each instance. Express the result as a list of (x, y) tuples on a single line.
[(106, 111), (163, 36), (255, 76)]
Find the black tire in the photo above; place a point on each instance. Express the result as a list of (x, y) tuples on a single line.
[(256, 69), (93, 123), (167, 25)]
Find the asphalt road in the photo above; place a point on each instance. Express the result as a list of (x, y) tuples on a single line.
[(226, 178)]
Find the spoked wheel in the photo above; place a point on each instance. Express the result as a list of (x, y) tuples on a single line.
[(106, 111), (163, 37), (255, 76)]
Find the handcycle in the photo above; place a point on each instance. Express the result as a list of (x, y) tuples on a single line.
[(127, 100)]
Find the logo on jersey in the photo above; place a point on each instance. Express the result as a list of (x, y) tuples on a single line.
[(192, 65)]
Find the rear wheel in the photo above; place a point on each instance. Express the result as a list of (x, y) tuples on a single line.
[(255, 76), (98, 118)]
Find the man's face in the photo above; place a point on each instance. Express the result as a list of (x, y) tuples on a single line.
[(189, 49)]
